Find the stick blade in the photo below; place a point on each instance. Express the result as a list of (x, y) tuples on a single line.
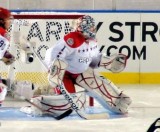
[(63, 115)]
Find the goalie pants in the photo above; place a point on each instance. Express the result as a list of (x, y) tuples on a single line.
[(69, 81)]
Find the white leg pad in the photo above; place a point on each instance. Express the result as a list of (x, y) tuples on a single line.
[(54, 105), (104, 91)]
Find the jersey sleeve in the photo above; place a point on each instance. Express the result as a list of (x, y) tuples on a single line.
[(4, 44)]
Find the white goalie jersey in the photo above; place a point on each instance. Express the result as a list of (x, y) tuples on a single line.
[(75, 50)]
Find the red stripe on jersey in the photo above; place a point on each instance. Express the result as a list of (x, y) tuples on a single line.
[(74, 39)]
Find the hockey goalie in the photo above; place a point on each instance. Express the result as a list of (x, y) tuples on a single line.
[(72, 62)]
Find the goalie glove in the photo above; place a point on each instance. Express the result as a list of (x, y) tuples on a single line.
[(8, 58), (115, 63)]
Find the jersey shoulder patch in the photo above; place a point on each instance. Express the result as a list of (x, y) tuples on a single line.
[(74, 39)]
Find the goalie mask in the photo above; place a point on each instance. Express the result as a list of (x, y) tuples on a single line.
[(86, 25)]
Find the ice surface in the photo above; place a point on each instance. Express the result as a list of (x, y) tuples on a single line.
[(143, 111)]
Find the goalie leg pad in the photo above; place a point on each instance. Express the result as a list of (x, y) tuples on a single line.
[(104, 91), (54, 105)]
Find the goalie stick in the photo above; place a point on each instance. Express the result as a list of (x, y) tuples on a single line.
[(69, 97)]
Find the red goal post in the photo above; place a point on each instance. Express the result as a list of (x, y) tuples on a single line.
[(43, 28)]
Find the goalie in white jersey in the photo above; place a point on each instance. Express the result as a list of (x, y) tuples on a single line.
[(72, 60), (77, 49)]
